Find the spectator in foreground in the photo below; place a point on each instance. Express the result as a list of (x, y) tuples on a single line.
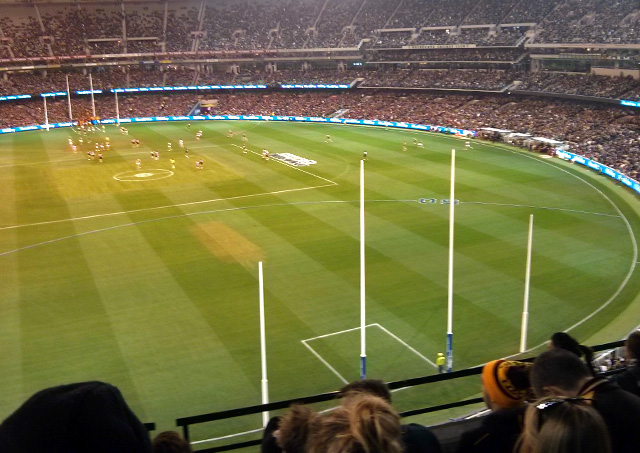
[(170, 442), (565, 341), (505, 389), (629, 380), (564, 425), (560, 373), (366, 423), (87, 417), (292, 432), (415, 438)]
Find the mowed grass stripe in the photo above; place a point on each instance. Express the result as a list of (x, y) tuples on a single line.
[(11, 332), (62, 338), (192, 272), (214, 290)]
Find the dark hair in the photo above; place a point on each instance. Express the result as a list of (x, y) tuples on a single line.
[(565, 341), (633, 344), (297, 429), (370, 386), (170, 442), (559, 368)]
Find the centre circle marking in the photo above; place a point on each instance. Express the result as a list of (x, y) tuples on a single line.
[(150, 175)]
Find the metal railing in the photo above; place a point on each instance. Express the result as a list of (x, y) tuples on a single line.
[(186, 422)]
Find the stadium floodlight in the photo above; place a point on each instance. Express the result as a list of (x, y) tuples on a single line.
[(527, 282), (263, 348), (363, 319), (449, 350)]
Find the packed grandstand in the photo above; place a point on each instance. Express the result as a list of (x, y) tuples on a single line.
[(553, 48), (565, 70)]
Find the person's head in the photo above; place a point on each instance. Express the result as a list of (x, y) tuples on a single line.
[(505, 383), (374, 387), (565, 341), (633, 345), (74, 418), (564, 425), (296, 429), (170, 442), (366, 424), (558, 372)]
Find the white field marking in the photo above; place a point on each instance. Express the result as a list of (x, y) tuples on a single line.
[(539, 207), (110, 214), (629, 229), (332, 369), (159, 219), (407, 346), (292, 166), (313, 351), (230, 436), (336, 333), (395, 337)]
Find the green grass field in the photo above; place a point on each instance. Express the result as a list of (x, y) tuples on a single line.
[(151, 282)]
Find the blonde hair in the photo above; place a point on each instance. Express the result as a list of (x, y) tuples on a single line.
[(564, 425), (365, 424)]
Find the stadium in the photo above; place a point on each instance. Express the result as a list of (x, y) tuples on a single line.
[(222, 207)]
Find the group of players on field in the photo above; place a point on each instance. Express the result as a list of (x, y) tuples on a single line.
[(100, 147)]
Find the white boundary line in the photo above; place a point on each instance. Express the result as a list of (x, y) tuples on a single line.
[(634, 242), (230, 436), (407, 346), (539, 207), (334, 371), (109, 214)]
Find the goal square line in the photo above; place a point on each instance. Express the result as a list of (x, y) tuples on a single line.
[(386, 331)]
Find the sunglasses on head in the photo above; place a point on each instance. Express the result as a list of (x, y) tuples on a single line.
[(555, 401)]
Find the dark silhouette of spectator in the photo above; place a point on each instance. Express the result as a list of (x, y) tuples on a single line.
[(564, 425), (170, 442), (505, 388), (629, 380), (565, 341), (87, 417), (292, 432), (558, 372)]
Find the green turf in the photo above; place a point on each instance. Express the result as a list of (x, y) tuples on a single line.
[(152, 283)]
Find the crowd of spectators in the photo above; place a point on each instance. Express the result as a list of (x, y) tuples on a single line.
[(586, 85), (557, 403), (489, 12), (454, 79), (510, 55), (469, 79), (483, 36), (49, 30), (607, 134), (591, 22)]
